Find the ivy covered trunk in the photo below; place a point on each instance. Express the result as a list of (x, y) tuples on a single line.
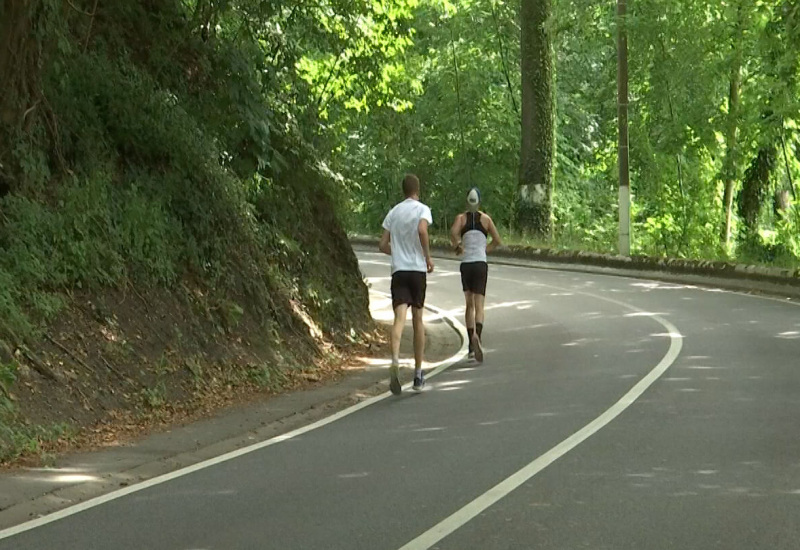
[(755, 188), (533, 208)]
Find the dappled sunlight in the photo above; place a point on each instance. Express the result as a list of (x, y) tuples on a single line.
[(452, 383), (432, 429), (528, 327), (60, 475), (592, 315), (501, 305), (655, 285), (378, 363), (645, 314), (385, 363), (374, 262), (790, 335), (580, 342), (383, 314), (355, 475), (667, 335), (375, 280)]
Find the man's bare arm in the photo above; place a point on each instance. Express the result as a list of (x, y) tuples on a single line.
[(424, 240), (385, 245)]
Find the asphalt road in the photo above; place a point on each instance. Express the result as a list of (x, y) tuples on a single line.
[(609, 413)]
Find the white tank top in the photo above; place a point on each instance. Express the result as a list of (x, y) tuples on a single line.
[(473, 239)]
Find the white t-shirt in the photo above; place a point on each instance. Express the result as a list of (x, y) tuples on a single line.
[(402, 222)]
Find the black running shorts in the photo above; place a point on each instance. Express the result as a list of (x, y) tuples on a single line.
[(408, 287), (473, 277)]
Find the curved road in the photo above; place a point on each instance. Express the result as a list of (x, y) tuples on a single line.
[(610, 413)]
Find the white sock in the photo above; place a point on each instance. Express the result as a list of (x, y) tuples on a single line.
[(417, 372)]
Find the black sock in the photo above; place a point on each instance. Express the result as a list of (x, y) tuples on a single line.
[(470, 332), (479, 329)]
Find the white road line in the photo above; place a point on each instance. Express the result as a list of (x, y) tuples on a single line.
[(436, 368), (450, 524)]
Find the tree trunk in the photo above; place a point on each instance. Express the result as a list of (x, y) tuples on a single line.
[(624, 247), (533, 208), (754, 190), (729, 167)]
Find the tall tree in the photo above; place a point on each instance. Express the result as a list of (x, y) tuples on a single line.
[(534, 206), (622, 138), (732, 123)]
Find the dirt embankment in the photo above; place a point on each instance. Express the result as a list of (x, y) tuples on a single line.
[(118, 364)]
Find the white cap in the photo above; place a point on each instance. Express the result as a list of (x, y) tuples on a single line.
[(473, 199)]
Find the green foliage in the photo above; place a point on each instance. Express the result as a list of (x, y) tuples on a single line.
[(171, 144), (17, 438), (681, 62)]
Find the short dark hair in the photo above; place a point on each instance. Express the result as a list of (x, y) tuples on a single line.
[(410, 185)]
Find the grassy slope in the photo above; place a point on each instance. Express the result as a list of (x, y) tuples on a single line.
[(162, 244)]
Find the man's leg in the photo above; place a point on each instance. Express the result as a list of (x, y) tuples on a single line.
[(469, 317), (419, 341), (400, 314)]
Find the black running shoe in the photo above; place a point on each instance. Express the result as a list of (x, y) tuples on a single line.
[(419, 382)]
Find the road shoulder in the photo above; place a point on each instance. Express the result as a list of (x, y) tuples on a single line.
[(28, 493)]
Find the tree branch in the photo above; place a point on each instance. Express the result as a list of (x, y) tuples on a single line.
[(458, 93), (503, 60)]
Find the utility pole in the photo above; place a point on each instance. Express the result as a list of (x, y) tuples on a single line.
[(622, 124)]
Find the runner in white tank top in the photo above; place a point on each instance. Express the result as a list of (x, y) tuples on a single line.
[(468, 235)]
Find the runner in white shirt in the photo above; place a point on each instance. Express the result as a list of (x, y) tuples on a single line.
[(405, 239), (468, 237)]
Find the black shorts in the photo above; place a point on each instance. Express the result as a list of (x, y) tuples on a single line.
[(473, 277), (408, 287)]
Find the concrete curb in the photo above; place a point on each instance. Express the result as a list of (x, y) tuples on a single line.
[(739, 277)]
